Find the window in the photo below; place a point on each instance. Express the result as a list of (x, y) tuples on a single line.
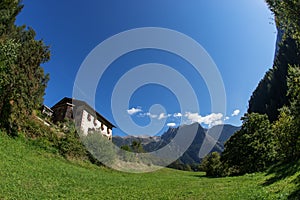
[(89, 117)]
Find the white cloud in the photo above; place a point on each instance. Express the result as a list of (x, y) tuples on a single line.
[(132, 111), (151, 115), (177, 115), (171, 124), (162, 116), (226, 118), (235, 113), (210, 120), (148, 114), (193, 117), (218, 122)]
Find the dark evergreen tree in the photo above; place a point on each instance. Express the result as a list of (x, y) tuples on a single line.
[(271, 93), (23, 81)]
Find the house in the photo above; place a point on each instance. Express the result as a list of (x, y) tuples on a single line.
[(46, 111), (84, 116)]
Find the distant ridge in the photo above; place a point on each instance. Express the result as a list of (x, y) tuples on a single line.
[(216, 137)]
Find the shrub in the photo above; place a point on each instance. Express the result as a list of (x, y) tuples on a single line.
[(40, 134), (100, 148), (70, 146)]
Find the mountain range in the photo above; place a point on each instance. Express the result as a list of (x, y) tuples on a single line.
[(205, 140)]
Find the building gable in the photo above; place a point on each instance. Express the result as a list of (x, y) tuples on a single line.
[(84, 115)]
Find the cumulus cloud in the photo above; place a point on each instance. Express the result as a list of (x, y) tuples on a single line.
[(235, 113), (132, 111), (210, 120), (226, 118), (177, 115), (171, 124)]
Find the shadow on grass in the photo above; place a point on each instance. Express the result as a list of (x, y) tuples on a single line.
[(296, 194), (282, 171), (200, 176)]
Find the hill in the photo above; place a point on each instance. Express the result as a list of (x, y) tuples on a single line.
[(28, 172), (222, 133)]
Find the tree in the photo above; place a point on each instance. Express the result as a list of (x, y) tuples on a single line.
[(137, 147), (126, 148), (287, 128), (212, 165), (9, 10), (294, 93), (271, 93), (294, 90), (252, 148), (285, 131), (287, 16), (23, 81)]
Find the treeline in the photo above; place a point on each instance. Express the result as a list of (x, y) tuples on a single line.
[(271, 129)]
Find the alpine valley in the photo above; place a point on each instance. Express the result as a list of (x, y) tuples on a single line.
[(215, 137)]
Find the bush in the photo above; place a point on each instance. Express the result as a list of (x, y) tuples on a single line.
[(40, 134), (70, 145), (100, 148), (62, 139), (125, 154)]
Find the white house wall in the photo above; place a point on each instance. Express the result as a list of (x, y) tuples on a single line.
[(88, 122)]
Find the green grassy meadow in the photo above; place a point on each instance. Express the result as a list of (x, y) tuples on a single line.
[(28, 172)]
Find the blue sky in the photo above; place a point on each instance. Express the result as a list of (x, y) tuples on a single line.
[(237, 34)]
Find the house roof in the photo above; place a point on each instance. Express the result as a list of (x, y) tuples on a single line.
[(46, 107), (77, 103)]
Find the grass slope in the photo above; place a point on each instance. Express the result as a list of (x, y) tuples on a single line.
[(27, 172)]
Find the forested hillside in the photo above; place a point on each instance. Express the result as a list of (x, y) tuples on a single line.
[(270, 133)]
